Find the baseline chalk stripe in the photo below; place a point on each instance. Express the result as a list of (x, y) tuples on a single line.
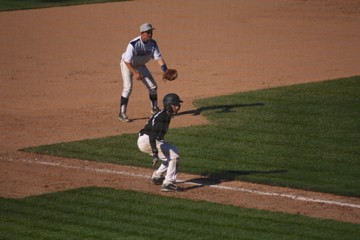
[(295, 197), (125, 173), (90, 169)]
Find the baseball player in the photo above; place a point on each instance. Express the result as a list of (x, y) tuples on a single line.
[(139, 51), (151, 141)]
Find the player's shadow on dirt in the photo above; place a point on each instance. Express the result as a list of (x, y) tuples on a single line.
[(224, 176), (141, 118), (220, 108)]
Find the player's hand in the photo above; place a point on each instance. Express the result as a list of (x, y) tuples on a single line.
[(156, 159), (138, 76)]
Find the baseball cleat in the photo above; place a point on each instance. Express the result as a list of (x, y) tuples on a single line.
[(155, 110), (123, 117), (169, 188), (157, 180)]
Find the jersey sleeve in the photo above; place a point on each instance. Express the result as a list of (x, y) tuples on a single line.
[(156, 52), (152, 141), (129, 53), (155, 132)]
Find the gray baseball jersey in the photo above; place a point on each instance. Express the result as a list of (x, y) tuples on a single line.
[(139, 53)]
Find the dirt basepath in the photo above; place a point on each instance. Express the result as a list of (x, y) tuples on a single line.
[(60, 81)]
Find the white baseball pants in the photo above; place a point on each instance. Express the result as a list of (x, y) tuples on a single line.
[(168, 154), (127, 77)]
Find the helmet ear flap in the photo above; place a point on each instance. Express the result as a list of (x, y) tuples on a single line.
[(169, 108)]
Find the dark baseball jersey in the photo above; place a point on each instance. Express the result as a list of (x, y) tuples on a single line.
[(156, 127)]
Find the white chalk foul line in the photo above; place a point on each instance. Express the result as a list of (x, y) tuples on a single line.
[(295, 197)]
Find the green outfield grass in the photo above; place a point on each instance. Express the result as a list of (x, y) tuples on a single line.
[(8, 5), (101, 213), (304, 136)]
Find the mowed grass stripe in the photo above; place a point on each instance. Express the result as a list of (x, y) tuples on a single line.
[(38, 220), (101, 213), (89, 212)]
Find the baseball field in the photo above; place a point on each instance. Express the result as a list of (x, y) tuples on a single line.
[(269, 130)]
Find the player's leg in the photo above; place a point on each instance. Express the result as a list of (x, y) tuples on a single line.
[(143, 143), (126, 92), (151, 85), (169, 154)]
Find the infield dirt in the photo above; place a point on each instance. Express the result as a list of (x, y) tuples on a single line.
[(60, 81)]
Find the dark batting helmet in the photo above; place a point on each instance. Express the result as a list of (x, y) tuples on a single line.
[(171, 99)]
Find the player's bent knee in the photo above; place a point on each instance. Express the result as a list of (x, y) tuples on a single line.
[(126, 92)]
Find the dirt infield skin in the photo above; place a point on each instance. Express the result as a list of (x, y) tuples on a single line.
[(60, 81)]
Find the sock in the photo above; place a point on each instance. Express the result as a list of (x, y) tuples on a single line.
[(153, 99), (123, 104)]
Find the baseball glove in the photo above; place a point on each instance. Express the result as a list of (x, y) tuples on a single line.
[(170, 75)]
